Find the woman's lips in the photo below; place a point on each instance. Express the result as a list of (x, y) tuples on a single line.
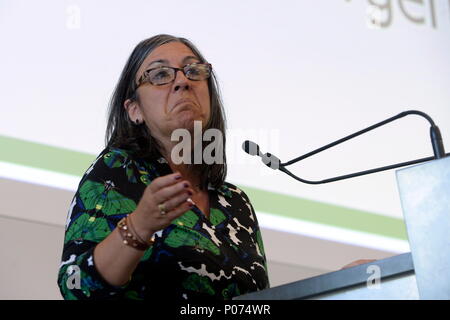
[(183, 102)]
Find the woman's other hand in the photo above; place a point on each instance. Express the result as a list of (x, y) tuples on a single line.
[(357, 262)]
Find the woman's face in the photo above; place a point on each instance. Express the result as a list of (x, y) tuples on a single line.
[(173, 105)]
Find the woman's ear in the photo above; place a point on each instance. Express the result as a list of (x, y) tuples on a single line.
[(133, 110)]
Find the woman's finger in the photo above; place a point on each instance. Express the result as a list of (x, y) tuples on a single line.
[(171, 191), (177, 200), (180, 210), (357, 263), (164, 181)]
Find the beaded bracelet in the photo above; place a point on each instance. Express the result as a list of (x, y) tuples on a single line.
[(130, 237), (133, 231)]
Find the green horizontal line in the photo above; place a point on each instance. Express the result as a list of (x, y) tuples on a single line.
[(327, 214), (37, 155)]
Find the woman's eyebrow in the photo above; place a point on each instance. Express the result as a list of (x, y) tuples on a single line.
[(187, 58), (157, 61), (164, 61)]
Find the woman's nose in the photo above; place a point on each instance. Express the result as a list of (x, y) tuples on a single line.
[(181, 82)]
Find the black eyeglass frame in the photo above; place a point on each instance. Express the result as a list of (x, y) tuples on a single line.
[(144, 78)]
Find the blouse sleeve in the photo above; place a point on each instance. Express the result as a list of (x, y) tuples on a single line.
[(257, 230), (96, 208)]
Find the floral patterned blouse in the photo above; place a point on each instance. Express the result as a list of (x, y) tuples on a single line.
[(194, 258)]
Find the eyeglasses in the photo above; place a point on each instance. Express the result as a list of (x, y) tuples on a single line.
[(163, 75)]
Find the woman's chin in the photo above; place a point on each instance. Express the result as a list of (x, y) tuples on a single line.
[(187, 121)]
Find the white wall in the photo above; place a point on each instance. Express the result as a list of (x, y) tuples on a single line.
[(303, 73)]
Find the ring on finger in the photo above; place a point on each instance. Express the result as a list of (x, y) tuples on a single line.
[(162, 209)]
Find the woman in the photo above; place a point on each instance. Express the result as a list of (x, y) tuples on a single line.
[(142, 226)]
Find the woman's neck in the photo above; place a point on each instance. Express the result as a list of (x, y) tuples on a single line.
[(184, 169)]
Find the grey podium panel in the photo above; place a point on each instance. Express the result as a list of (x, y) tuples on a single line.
[(425, 195), (396, 281), (402, 287)]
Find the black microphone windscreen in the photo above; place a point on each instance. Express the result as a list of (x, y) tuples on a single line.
[(250, 147)]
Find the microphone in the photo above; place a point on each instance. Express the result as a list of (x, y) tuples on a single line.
[(275, 163), (267, 158), (251, 148)]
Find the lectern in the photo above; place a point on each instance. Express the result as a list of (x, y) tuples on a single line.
[(423, 273)]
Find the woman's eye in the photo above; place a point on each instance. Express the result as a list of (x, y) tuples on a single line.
[(193, 71), (160, 74)]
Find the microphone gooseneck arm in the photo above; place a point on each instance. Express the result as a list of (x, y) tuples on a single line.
[(379, 124), (436, 141)]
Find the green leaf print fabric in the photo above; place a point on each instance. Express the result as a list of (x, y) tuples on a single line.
[(193, 259)]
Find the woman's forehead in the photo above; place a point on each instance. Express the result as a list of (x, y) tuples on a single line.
[(172, 52)]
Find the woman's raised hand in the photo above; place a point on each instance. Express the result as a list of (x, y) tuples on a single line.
[(164, 200)]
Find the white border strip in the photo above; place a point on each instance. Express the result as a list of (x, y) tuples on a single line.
[(39, 176), (330, 233)]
